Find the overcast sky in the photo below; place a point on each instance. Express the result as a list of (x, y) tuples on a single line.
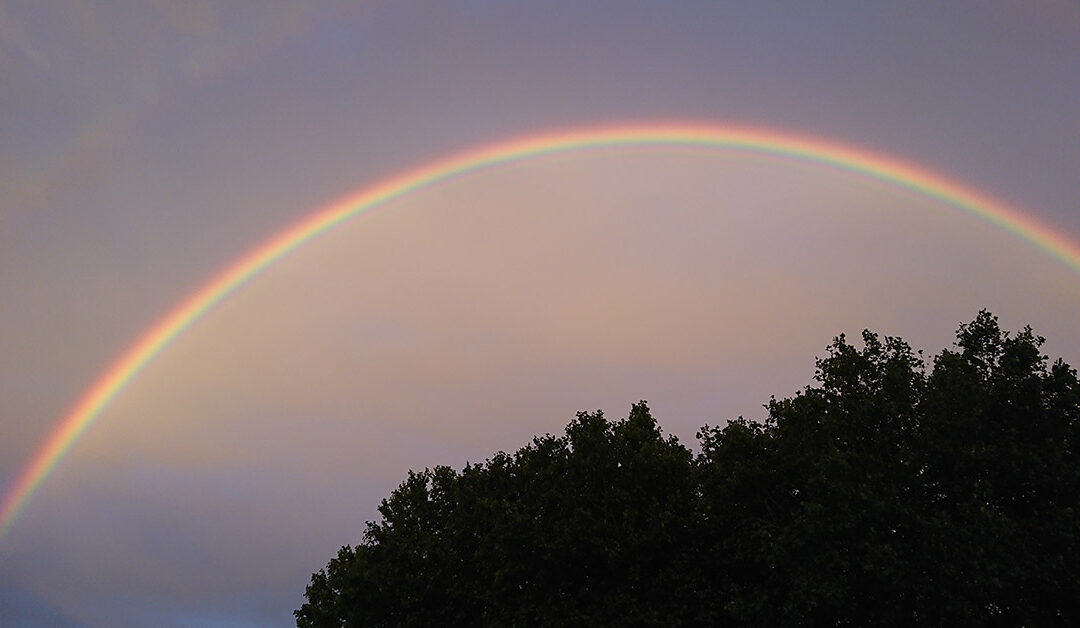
[(146, 145)]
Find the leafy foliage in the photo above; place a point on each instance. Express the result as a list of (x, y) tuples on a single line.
[(885, 494)]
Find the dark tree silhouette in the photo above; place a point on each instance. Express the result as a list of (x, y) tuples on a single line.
[(886, 494)]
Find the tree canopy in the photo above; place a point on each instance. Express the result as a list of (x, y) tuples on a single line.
[(888, 492)]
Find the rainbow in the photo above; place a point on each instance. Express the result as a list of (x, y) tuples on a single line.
[(877, 166)]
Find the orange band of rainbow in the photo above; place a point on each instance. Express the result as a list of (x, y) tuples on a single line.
[(90, 405)]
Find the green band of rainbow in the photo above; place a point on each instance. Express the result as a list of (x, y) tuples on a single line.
[(120, 373)]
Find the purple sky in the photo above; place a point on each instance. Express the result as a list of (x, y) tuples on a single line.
[(144, 146)]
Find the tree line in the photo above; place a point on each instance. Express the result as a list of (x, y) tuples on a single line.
[(888, 492)]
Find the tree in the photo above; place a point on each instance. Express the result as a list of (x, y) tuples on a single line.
[(885, 493)]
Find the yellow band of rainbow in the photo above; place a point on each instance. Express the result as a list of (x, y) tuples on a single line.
[(90, 405)]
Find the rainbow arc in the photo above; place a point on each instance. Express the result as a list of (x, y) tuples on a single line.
[(127, 366)]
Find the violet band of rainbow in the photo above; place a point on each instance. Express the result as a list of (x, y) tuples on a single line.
[(875, 165)]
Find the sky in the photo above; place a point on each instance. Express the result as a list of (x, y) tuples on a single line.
[(146, 146)]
